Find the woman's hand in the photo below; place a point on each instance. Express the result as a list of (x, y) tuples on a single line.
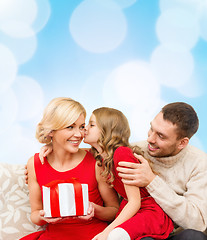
[(53, 220), (49, 220), (90, 212)]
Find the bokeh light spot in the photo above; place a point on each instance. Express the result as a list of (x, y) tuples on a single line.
[(172, 68), (8, 68), (96, 27)]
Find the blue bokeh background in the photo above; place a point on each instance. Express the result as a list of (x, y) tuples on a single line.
[(134, 55)]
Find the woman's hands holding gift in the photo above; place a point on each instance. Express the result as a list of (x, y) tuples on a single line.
[(49, 220), (90, 212)]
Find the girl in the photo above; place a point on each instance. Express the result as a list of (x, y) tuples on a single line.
[(139, 216), (63, 124)]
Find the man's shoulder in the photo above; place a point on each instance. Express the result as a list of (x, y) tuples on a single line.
[(194, 150), (196, 157)]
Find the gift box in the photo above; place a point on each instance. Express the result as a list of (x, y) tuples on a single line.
[(65, 198)]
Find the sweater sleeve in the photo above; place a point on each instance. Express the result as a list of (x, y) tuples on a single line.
[(188, 210)]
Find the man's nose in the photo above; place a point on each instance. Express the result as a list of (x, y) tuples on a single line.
[(151, 137)]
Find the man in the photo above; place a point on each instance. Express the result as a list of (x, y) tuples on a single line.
[(178, 182)]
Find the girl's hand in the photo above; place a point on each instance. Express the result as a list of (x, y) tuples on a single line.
[(90, 212), (44, 151), (101, 236)]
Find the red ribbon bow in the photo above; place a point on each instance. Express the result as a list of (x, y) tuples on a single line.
[(54, 196)]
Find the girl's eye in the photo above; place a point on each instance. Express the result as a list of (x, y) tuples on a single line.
[(82, 127), (70, 127), (92, 125)]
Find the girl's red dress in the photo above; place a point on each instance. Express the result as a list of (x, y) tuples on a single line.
[(150, 220), (74, 229)]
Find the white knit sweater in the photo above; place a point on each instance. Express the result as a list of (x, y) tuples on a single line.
[(181, 186)]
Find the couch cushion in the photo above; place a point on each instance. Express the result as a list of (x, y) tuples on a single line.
[(14, 203)]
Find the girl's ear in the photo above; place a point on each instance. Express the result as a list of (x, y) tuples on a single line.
[(183, 143)]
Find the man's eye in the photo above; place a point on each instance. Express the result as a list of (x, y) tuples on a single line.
[(161, 136)]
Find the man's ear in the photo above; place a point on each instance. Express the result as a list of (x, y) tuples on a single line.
[(183, 143)]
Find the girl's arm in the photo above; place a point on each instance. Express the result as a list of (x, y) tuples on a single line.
[(109, 196), (130, 209)]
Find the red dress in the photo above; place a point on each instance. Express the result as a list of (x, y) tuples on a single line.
[(150, 220), (74, 229)]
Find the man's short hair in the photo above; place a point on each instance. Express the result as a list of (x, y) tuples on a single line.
[(183, 116)]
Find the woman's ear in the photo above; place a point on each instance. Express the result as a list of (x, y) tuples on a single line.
[(183, 143), (51, 133)]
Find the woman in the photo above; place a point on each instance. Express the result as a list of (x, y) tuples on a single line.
[(63, 124)]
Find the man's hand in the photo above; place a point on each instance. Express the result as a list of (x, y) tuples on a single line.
[(26, 174), (136, 174)]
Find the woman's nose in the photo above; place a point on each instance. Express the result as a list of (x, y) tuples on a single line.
[(77, 132)]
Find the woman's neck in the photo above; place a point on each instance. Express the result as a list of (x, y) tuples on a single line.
[(62, 160)]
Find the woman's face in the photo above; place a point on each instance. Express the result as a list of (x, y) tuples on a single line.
[(70, 138), (92, 133)]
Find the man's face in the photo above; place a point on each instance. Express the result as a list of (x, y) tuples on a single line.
[(162, 138)]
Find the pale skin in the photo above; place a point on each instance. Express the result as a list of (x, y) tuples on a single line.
[(162, 142), (65, 156)]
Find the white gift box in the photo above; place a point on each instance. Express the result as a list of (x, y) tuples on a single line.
[(67, 200)]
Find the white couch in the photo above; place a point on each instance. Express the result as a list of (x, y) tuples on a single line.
[(14, 203)]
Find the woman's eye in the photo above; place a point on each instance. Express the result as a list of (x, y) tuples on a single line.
[(82, 127)]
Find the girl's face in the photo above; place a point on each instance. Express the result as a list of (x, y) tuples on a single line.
[(92, 133), (70, 138)]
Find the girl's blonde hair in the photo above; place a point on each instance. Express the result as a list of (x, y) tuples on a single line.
[(60, 113), (115, 132)]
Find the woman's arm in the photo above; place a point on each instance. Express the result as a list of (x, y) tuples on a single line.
[(34, 194), (109, 196)]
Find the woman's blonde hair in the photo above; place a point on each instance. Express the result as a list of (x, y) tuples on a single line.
[(60, 113), (115, 132)]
